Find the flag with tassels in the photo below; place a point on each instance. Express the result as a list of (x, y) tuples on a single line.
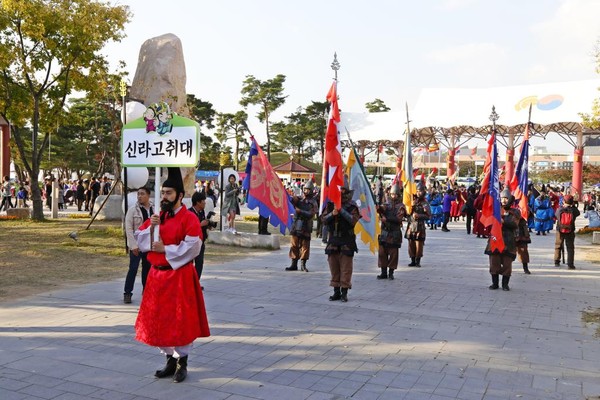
[(490, 211), (265, 190), (333, 174), (519, 181), (368, 227)]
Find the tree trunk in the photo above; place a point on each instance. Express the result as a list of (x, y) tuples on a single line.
[(36, 198)]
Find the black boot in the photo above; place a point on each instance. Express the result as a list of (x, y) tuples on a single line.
[(169, 368), (383, 273), (336, 294), (344, 295), (391, 275), (412, 262), (181, 371), (526, 269), (418, 262), (494, 282), (303, 266), (294, 266), (505, 280)]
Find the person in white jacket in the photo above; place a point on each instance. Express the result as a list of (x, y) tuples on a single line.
[(136, 215)]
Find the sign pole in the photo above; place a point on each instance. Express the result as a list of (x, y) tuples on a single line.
[(157, 172)]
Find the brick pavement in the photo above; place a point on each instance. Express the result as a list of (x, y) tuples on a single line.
[(434, 333)]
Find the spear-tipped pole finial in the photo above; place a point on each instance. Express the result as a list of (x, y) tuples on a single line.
[(335, 65), (407, 118), (494, 117)]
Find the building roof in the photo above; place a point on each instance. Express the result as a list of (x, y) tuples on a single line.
[(292, 166)]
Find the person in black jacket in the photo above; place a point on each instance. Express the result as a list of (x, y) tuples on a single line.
[(565, 231)]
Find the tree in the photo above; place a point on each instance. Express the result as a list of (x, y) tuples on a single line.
[(48, 49), (210, 153), (201, 111), (232, 126), (266, 94), (376, 106), (316, 115), (592, 120)]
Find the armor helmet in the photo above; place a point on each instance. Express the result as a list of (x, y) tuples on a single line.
[(309, 185), (506, 194), (395, 189)]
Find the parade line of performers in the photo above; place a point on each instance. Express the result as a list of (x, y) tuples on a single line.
[(172, 312), (430, 209)]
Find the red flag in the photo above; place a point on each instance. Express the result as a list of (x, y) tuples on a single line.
[(333, 174), (474, 151), (490, 211), (265, 190)]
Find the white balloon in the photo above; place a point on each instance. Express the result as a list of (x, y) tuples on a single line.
[(131, 200), (136, 177), (209, 207), (134, 110)]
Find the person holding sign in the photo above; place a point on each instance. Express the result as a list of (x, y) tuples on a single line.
[(172, 313)]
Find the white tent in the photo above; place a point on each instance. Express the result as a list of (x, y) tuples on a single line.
[(553, 103)]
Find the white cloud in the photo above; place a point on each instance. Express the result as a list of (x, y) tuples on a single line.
[(449, 5), (566, 41), (471, 64)]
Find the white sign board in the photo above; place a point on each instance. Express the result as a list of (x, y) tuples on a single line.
[(179, 147)]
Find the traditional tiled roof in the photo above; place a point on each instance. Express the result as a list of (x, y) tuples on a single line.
[(292, 166)]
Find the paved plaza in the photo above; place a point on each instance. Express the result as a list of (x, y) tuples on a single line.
[(434, 332)]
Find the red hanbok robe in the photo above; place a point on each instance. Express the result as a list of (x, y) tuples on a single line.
[(172, 312)]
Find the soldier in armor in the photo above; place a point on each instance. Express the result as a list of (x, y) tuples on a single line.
[(416, 230), (305, 210), (391, 214), (501, 263), (341, 244)]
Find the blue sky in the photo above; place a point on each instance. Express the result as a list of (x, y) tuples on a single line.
[(388, 49)]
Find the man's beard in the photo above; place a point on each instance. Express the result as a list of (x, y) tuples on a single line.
[(168, 208)]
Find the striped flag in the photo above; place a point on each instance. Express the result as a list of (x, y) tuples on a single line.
[(368, 227), (490, 211), (519, 181), (408, 179), (333, 174)]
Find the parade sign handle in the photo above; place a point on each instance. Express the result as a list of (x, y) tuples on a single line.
[(160, 138)]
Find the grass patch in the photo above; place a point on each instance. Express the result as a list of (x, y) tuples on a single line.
[(38, 256), (592, 317)]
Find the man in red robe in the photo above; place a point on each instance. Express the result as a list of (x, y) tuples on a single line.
[(172, 313)]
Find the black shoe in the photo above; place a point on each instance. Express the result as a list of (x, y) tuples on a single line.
[(336, 294), (572, 267), (537, 234), (418, 261), (413, 263), (383, 274), (181, 370), (127, 298), (494, 287), (445, 230), (303, 266), (169, 368), (505, 280), (344, 295), (391, 275), (557, 264), (294, 266)]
